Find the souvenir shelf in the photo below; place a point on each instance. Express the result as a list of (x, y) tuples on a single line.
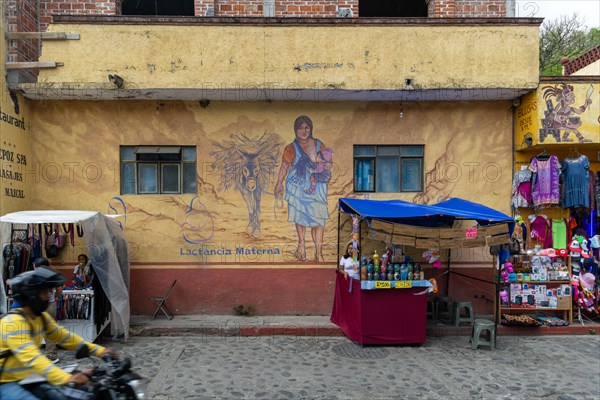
[(79, 320), (543, 284)]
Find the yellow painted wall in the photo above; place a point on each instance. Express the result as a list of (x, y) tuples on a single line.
[(284, 57), (468, 154), (15, 154)]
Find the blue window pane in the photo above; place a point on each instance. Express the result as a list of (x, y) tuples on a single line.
[(127, 153), (387, 174), (148, 176), (189, 154), (411, 175), (364, 176), (189, 178), (411, 151), (365, 151), (170, 178), (127, 178), (388, 151)]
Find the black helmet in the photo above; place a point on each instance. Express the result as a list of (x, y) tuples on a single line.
[(40, 262), (26, 287)]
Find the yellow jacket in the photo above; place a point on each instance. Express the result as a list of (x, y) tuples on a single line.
[(23, 337)]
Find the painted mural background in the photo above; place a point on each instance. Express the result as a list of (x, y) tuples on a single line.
[(559, 113), (235, 219)]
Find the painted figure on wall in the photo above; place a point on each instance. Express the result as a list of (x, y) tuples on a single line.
[(561, 116), (303, 159), (248, 166)]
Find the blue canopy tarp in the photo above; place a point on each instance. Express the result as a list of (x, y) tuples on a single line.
[(440, 214)]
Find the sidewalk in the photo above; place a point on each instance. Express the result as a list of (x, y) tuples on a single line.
[(232, 325)]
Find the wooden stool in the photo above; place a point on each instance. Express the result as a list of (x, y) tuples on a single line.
[(479, 326)]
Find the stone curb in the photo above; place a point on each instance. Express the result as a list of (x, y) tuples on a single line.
[(317, 331)]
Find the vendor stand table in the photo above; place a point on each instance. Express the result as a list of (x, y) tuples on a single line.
[(371, 315)]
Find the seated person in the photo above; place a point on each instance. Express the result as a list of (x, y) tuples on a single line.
[(347, 261), (83, 273)]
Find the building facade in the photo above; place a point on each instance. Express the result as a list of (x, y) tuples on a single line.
[(196, 130)]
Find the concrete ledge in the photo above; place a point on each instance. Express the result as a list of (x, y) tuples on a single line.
[(227, 325)]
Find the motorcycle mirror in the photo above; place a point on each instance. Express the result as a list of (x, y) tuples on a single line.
[(82, 352)]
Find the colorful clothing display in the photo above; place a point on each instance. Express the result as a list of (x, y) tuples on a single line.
[(521, 189), (576, 182), (559, 233), (545, 182), (540, 231)]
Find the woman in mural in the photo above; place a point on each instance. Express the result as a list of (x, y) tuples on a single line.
[(306, 208)]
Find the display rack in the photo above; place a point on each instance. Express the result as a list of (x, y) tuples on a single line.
[(86, 328), (564, 301)]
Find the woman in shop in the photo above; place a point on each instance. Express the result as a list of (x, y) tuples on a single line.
[(306, 209), (82, 273), (349, 262)]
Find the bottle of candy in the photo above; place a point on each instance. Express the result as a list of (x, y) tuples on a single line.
[(409, 273), (376, 271), (416, 271), (384, 260), (376, 258), (363, 273), (403, 272)]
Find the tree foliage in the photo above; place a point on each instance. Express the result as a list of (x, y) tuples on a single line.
[(564, 37)]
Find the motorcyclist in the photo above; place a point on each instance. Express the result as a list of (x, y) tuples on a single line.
[(21, 333)]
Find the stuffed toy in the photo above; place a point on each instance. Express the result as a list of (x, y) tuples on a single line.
[(510, 270), (503, 275), (504, 297)]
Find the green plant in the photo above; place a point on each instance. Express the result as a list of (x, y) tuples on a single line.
[(244, 309), (593, 331)]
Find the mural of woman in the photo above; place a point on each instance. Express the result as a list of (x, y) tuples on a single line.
[(307, 208)]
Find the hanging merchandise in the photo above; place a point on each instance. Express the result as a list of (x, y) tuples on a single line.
[(50, 243), (597, 193), (545, 181), (540, 231), (576, 182), (559, 233), (521, 188)]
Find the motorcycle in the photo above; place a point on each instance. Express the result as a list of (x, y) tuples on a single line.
[(113, 379)]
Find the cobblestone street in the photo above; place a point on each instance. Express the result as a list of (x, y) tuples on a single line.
[(289, 367)]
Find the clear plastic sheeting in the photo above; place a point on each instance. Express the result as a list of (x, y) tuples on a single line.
[(107, 251)]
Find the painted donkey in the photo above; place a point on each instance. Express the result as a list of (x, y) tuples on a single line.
[(248, 166)]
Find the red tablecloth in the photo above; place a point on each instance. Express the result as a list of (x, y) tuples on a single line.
[(382, 316)]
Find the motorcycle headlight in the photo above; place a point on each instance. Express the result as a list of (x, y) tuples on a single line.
[(138, 388)]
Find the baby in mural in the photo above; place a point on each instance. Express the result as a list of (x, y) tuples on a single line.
[(322, 170)]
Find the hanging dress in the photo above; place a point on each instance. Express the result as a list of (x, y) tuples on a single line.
[(576, 182), (545, 184), (521, 189)]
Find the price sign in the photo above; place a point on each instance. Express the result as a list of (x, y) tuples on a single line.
[(471, 233), (403, 284), (382, 284)]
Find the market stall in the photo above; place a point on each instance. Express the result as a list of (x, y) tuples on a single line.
[(107, 252), (388, 303)]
